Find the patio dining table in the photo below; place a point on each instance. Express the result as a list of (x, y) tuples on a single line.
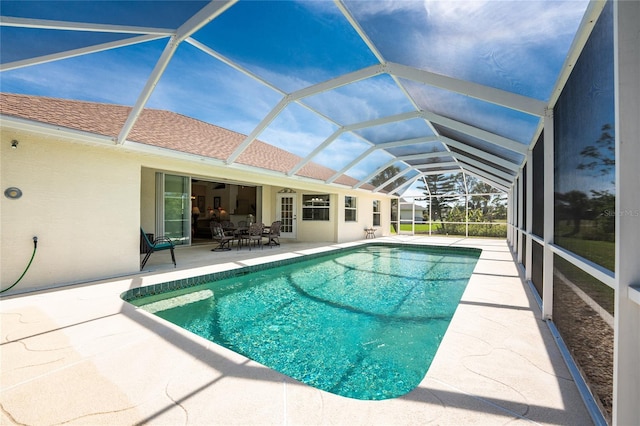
[(240, 232)]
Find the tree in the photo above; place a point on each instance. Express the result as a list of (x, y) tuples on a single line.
[(604, 206), (601, 157), (479, 194), (576, 204), (498, 207), (441, 189), (598, 160), (385, 175)]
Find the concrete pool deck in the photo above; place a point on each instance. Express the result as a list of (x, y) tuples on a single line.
[(81, 355)]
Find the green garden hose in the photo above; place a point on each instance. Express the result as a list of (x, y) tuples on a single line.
[(35, 246)]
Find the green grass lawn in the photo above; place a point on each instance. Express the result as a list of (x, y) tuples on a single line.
[(598, 291), (494, 230), (597, 251), (600, 252)]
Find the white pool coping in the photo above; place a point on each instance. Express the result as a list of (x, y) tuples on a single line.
[(81, 355)]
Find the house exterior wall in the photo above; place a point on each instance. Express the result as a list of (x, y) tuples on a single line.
[(81, 201), (354, 230), (147, 199), (86, 200), (336, 229)]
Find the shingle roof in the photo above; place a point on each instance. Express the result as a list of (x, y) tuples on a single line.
[(162, 129)]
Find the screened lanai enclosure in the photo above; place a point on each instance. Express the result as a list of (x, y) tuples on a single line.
[(452, 204), (507, 119), (369, 89)]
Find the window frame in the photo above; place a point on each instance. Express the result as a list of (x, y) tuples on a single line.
[(350, 208), (316, 207), (376, 212)]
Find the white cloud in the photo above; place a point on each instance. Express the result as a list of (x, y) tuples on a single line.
[(362, 100), (297, 130), (369, 9), (341, 152), (369, 164), (513, 45), (511, 26), (115, 76), (202, 87)]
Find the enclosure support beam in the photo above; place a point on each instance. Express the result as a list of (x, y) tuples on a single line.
[(549, 182), (529, 225), (626, 361), (520, 216), (509, 221), (197, 21)]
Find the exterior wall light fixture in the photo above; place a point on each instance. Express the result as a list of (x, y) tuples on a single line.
[(13, 193)]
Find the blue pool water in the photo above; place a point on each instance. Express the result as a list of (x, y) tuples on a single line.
[(363, 323)]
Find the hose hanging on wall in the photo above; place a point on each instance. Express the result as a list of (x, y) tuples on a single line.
[(35, 246)]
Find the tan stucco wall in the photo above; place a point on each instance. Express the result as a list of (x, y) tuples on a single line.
[(82, 202), (349, 231), (336, 229), (148, 200), (85, 202)]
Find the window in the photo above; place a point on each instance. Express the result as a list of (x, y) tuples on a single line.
[(315, 207), (376, 212), (350, 209)]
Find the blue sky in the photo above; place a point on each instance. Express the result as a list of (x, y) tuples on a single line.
[(518, 46)]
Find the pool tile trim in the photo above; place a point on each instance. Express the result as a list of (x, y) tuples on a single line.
[(185, 283)]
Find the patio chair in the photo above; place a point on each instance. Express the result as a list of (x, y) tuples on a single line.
[(224, 240), (273, 234), (228, 227), (158, 244), (254, 234)]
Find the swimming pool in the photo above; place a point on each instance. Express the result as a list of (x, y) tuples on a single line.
[(363, 323)]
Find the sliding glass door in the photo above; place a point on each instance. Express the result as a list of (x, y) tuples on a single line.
[(173, 207)]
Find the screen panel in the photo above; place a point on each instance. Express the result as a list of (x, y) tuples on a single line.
[(585, 151)]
